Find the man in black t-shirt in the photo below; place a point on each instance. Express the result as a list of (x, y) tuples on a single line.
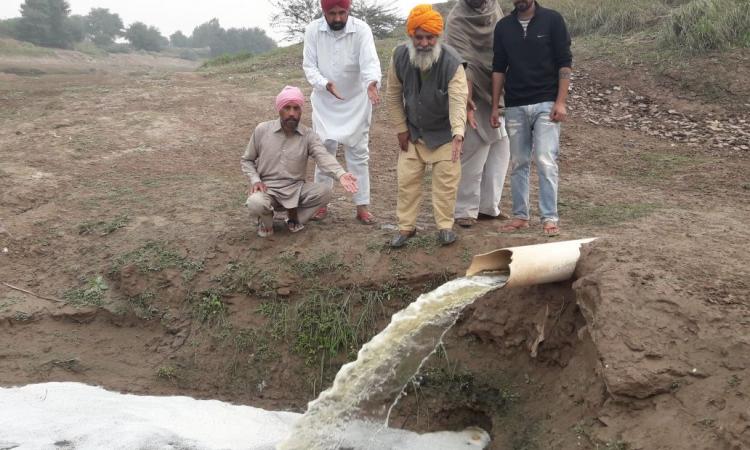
[(532, 67)]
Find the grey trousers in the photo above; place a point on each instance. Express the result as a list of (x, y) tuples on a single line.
[(261, 205), (483, 169)]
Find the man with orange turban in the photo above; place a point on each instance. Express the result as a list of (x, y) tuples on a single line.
[(427, 94), (275, 162), (342, 65)]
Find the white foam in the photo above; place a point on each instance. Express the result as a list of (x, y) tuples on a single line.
[(81, 417)]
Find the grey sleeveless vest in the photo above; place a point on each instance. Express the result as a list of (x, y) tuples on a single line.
[(426, 100)]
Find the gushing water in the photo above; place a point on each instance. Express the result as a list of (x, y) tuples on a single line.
[(365, 391)]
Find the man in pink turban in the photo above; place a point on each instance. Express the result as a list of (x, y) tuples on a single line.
[(342, 65), (275, 162)]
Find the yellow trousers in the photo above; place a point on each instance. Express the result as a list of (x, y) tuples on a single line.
[(446, 175)]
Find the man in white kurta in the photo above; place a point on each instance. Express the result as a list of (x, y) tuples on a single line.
[(342, 65)]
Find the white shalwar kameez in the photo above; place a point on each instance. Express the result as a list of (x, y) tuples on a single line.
[(349, 60)]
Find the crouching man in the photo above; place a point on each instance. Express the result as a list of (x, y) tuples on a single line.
[(275, 162)]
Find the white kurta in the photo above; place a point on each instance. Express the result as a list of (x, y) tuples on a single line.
[(347, 58)]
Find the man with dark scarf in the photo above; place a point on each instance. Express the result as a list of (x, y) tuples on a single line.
[(484, 162)]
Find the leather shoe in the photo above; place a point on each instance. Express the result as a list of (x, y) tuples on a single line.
[(399, 240), (446, 237)]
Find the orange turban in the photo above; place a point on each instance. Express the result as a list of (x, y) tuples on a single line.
[(426, 18)]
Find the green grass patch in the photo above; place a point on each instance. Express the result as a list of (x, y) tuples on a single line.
[(606, 215), (332, 321), (103, 228), (143, 305), (279, 58), (700, 26), (91, 294), (157, 256), (209, 307), (228, 59), (279, 321), (323, 264), (323, 325), (428, 243), (168, 373), (89, 48), (610, 16), (10, 47), (237, 277), (657, 167)]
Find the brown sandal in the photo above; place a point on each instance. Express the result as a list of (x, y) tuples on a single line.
[(515, 225), (466, 222), (550, 229), (366, 218), (320, 214)]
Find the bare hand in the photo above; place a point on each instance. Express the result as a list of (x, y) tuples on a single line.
[(403, 141), (258, 187), (495, 118), (372, 92), (349, 182), (458, 148), (330, 87), (470, 108), (559, 112)]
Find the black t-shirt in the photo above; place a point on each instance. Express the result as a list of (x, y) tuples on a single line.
[(531, 60)]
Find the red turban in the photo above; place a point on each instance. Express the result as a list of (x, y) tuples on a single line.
[(328, 4)]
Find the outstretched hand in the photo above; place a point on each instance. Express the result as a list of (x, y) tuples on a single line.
[(349, 182), (258, 187), (330, 87)]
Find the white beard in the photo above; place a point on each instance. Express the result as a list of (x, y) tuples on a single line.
[(423, 60)]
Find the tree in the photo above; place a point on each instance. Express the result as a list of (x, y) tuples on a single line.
[(44, 22), (144, 37), (9, 27), (76, 26), (292, 16), (231, 41), (103, 26), (179, 40), (206, 34), (243, 40), (382, 18)]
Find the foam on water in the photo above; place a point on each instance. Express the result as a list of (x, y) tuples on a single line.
[(76, 416), (366, 390)]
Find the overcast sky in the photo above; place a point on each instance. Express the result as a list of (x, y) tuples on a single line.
[(172, 15)]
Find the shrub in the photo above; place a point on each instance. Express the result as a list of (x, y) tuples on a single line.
[(610, 16), (704, 25)]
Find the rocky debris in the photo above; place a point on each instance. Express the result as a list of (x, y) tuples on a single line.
[(618, 107)]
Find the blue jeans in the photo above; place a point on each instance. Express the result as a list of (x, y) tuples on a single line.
[(532, 132)]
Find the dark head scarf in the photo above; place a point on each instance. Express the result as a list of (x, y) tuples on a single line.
[(470, 31)]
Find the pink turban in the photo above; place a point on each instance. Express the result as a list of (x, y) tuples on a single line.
[(289, 95), (328, 4)]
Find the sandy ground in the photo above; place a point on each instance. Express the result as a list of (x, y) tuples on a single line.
[(132, 173)]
